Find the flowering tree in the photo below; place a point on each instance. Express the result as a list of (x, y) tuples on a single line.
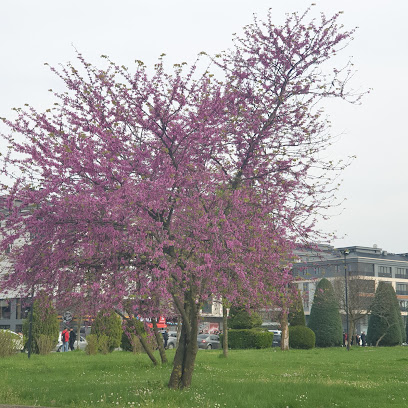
[(177, 186)]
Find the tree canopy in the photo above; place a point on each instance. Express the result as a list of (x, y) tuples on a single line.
[(177, 184)]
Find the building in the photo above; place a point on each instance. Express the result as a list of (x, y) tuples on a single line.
[(365, 267)]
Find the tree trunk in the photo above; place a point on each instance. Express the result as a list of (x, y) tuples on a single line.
[(78, 337), (159, 340), (142, 340), (285, 331), (353, 334), (224, 330), (183, 365)]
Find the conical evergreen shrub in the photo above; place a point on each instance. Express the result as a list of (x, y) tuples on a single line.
[(325, 318), (385, 323)]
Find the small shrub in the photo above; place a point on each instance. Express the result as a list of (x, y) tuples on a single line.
[(45, 321), (7, 344), (247, 339), (103, 344), (92, 346), (301, 337), (108, 323), (45, 344), (136, 345)]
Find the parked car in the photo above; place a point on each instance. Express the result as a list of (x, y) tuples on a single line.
[(172, 341), (17, 339), (82, 343), (277, 337), (208, 341)]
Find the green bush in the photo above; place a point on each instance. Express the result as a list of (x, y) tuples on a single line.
[(103, 344), (9, 343), (385, 323), (242, 319), (129, 331), (301, 337), (247, 339), (92, 344), (45, 344), (325, 318), (108, 323), (45, 322)]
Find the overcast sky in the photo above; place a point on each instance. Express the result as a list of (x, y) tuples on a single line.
[(375, 186)]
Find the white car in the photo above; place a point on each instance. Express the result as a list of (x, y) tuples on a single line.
[(81, 343)]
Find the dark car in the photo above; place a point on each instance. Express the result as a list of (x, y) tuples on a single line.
[(208, 341)]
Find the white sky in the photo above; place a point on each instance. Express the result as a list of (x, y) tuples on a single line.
[(376, 184)]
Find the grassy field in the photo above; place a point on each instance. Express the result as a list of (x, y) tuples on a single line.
[(363, 377)]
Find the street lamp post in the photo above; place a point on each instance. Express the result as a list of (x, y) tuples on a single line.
[(345, 253)]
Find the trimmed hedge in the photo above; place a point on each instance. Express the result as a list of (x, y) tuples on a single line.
[(248, 338), (301, 337)]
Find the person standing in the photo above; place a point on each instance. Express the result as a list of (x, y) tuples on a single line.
[(65, 339), (165, 338), (363, 339), (72, 338)]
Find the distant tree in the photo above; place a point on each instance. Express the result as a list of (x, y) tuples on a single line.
[(385, 323), (108, 323), (406, 331), (45, 322), (325, 318), (242, 319), (296, 312), (360, 294)]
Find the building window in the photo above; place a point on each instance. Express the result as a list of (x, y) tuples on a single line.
[(366, 269), (384, 271), (402, 288), (22, 309), (5, 309), (4, 327), (207, 307), (403, 305), (402, 273)]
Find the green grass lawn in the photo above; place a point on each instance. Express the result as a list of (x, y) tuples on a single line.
[(363, 377)]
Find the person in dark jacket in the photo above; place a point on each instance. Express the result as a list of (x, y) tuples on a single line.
[(363, 339), (72, 338), (165, 338)]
